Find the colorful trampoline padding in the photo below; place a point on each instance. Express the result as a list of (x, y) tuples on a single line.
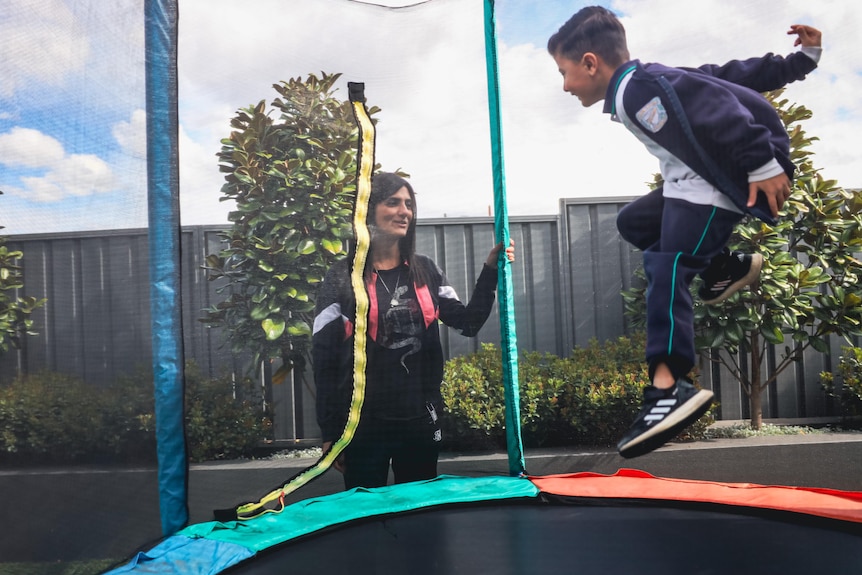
[(305, 517), (215, 546), (631, 484)]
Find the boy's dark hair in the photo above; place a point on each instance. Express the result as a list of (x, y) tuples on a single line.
[(592, 29)]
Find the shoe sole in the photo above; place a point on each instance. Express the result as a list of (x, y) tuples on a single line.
[(669, 427), (747, 279)]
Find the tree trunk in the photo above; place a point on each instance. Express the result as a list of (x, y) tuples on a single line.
[(755, 400), (756, 405)]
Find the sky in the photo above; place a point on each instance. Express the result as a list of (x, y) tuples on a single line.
[(72, 96)]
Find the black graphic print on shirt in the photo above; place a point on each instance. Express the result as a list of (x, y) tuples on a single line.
[(401, 321)]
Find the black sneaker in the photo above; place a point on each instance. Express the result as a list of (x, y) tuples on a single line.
[(664, 414), (727, 274)]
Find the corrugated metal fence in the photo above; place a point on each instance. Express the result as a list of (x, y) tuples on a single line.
[(568, 276)]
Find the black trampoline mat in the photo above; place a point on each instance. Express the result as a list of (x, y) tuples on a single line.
[(547, 539)]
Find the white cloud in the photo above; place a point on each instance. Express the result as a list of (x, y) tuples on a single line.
[(41, 42), (60, 175), (83, 174), (29, 148), (200, 185), (132, 135), (43, 190), (77, 175)]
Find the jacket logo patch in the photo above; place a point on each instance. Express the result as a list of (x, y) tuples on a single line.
[(653, 116)]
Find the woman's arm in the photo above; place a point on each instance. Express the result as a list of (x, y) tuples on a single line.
[(470, 318)]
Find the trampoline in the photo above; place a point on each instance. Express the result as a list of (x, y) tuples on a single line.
[(579, 523)]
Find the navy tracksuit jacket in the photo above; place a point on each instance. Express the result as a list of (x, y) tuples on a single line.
[(712, 132)]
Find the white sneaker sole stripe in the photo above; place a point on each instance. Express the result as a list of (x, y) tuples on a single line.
[(750, 277), (685, 411)]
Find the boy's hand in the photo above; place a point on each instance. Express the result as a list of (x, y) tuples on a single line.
[(805, 35), (776, 189)]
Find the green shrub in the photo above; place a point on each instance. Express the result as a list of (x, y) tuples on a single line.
[(603, 389), (50, 417), (225, 418), (850, 374), (53, 418), (475, 401), (588, 398), (473, 395)]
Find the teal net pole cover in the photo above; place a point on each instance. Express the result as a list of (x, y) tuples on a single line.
[(508, 337), (164, 249)]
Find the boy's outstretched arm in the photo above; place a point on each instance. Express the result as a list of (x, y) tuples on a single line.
[(805, 35), (771, 72), (777, 189)]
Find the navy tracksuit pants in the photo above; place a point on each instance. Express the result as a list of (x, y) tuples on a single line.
[(678, 240)]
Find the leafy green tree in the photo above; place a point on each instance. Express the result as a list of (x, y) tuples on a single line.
[(291, 170), (809, 287), (15, 311)]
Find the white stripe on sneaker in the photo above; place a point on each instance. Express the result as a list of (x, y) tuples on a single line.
[(660, 410)]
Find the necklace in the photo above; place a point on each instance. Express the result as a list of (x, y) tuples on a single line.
[(393, 294)]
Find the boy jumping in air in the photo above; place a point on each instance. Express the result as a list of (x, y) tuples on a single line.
[(723, 153)]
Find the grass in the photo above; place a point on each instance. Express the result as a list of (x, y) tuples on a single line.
[(58, 568), (742, 430)]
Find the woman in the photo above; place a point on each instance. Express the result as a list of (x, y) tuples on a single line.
[(408, 293)]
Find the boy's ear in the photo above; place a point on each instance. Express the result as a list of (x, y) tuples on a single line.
[(591, 62)]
